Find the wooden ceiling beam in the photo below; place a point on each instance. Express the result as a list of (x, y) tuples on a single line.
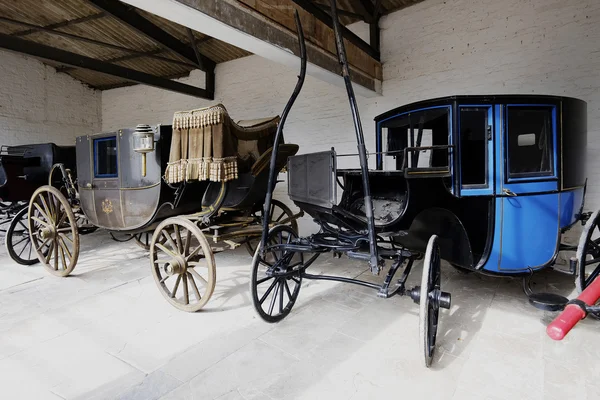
[(44, 52)]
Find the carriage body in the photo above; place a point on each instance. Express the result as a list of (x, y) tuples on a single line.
[(114, 190), (512, 176), (497, 178), (25, 168)]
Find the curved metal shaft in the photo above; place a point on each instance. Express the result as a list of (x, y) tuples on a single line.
[(286, 111), (360, 139)]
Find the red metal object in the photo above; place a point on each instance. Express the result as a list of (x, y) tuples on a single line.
[(572, 313)]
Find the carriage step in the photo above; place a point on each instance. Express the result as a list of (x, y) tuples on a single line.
[(572, 267)]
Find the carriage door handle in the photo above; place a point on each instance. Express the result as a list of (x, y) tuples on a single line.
[(509, 193)]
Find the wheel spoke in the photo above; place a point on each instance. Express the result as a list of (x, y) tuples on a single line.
[(174, 292), (198, 276), (28, 244), (287, 288), (178, 240), (264, 297), (167, 251), (196, 291), (194, 253), (263, 280), (64, 246), (186, 296), (170, 240), (62, 256), (64, 236), (281, 295), (165, 278), (41, 222), (42, 245), (273, 298), (188, 240), (45, 205), (20, 241), (50, 251), (592, 276)]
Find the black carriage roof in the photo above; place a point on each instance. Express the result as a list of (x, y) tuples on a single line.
[(487, 98)]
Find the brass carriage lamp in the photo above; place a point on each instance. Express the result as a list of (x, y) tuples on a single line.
[(143, 142)]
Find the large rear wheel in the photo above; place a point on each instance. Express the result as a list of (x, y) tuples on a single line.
[(277, 276), (431, 298), (52, 225), (183, 264), (588, 253), (280, 214)]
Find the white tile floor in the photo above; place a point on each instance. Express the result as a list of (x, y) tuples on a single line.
[(106, 333)]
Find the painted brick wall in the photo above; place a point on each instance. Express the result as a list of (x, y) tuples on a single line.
[(39, 105), (435, 48)]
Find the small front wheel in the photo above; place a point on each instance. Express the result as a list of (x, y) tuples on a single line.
[(277, 275), (18, 241)]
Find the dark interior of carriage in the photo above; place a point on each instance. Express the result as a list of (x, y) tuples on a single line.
[(474, 130), (529, 132)]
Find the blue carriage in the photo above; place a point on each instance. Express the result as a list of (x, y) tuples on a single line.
[(488, 183)]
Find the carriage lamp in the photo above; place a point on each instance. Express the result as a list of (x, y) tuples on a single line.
[(143, 142)]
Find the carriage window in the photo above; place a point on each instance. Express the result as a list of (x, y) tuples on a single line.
[(424, 129), (473, 145), (530, 141), (105, 157)]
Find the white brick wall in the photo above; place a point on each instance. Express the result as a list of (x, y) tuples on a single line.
[(38, 105), (435, 48)]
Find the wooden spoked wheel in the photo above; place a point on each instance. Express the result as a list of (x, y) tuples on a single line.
[(277, 276), (183, 264), (280, 214), (429, 306), (143, 240), (18, 241), (588, 253), (52, 225)]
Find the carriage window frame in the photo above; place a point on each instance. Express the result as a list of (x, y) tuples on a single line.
[(488, 145), (531, 176), (116, 164), (379, 137)]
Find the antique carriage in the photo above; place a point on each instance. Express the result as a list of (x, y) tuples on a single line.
[(168, 187), (487, 183), (23, 169)]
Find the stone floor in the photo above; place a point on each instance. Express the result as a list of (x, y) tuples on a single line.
[(106, 333)]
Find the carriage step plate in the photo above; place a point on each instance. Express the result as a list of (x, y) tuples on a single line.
[(548, 301)]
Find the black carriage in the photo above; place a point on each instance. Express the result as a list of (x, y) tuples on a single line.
[(23, 169), (487, 183), (182, 191)]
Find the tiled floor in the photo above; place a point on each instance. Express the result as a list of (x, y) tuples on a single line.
[(106, 332)]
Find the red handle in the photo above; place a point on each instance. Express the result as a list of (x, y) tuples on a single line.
[(572, 314)]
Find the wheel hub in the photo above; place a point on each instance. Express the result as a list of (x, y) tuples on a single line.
[(47, 232), (177, 266)]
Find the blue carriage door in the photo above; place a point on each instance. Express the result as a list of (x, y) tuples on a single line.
[(526, 187), (475, 129)]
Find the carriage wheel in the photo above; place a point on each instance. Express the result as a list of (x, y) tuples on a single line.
[(55, 227), (276, 277), (279, 212), (18, 241), (588, 253), (143, 240), (183, 264), (428, 299)]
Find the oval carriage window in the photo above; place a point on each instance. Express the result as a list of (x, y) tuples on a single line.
[(530, 141), (105, 157)]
